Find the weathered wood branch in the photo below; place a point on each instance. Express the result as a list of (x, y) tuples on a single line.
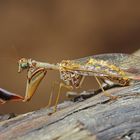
[(95, 118)]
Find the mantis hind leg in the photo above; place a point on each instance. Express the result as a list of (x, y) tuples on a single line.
[(105, 93)]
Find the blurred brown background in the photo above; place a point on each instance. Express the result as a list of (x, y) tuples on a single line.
[(52, 30)]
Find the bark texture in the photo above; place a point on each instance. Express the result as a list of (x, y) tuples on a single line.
[(97, 117)]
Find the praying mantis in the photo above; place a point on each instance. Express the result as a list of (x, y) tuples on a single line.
[(117, 67)]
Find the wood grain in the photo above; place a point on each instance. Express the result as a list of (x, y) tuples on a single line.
[(97, 117)]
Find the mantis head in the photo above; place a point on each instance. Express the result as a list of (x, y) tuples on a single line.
[(34, 76), (23, 63)]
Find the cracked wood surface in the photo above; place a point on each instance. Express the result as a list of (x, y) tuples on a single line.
[(94, 118)]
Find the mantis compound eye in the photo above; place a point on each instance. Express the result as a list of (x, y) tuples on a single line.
[(23, 64)]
